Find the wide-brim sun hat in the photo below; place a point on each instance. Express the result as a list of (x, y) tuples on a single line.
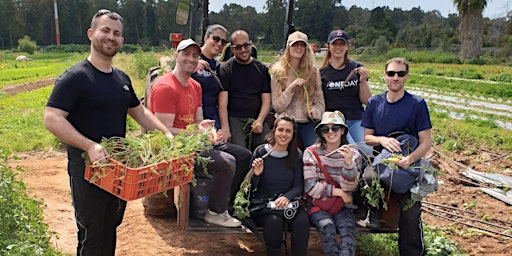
[(328, 117)]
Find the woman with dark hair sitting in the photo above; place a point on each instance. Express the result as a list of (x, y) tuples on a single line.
[(277, 167)]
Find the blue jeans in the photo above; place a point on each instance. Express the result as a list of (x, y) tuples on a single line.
[(306, 133), (356, 135), (344, 223)]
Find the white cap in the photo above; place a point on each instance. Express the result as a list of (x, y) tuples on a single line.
[(186, 43)]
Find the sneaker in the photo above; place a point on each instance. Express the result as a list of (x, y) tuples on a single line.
[(372, 220), (221, 219)]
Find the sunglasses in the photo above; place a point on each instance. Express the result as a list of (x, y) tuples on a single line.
[(399, 73), (333, 128), (216, 39), (112, 15), (246, 45)]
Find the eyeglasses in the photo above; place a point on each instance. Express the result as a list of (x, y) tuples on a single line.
[(399, 73), (333, 128), (246, 45), (112, 15), (216, 39)]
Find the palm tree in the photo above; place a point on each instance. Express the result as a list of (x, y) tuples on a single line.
[(470, 27)]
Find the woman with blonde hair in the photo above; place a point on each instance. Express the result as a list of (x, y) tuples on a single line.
[(297, 88)]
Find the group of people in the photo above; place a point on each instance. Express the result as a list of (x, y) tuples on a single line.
[(319, 109)]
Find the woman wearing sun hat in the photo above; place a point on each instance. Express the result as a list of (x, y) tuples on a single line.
[(342, 163), (345, 86)]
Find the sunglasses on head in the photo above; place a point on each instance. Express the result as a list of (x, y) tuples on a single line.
[(399, 73), (216, 39), (112, 15), (246, 45), (333, 128)]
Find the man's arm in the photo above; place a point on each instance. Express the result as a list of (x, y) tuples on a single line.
[(392, 145), (167, 119), (147, 120), (55, 121), (425, 143), (265, 108)]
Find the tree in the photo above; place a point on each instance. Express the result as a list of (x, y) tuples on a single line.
[(316, 18), (470, 27)]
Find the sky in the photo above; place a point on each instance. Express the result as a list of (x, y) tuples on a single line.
[(494, 9)]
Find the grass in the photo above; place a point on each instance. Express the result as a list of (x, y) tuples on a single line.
[(42, 65)]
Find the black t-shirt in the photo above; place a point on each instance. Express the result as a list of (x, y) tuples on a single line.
[(245, 83), (210, 87), (97, 102), (341, 96)]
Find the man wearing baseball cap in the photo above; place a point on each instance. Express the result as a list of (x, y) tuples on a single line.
[(176, 101)]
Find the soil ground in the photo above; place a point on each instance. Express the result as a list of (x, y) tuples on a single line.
[(46, 177)]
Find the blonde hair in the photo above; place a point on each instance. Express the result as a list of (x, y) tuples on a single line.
[(307, 70)]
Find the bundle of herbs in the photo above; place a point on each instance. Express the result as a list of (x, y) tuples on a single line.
[(154, 147)]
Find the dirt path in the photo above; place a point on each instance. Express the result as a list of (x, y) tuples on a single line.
[(46, 177)]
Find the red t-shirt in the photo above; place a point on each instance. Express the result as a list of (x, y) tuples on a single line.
[(169, 96)]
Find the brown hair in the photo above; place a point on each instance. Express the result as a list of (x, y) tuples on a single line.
[(270, 138), (398, 61)]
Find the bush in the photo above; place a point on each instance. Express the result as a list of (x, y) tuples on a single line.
[(382, 45), (130, 48), (22, 231), (27, 45), (69, 48), (424, 56), (143, 61)]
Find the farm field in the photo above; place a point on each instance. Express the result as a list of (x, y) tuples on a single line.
[(471, 115)]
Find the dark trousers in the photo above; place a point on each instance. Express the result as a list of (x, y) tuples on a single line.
[(98, 214), (222, 169), (273, 230), (410, 229), (241, 133), (243, 161)]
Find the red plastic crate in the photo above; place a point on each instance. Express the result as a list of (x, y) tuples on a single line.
[(133, 183)]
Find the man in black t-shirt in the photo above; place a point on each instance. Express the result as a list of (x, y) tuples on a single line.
[(245, 103), (89, 102)]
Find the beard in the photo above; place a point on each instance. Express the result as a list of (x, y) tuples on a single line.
[(109, 51)]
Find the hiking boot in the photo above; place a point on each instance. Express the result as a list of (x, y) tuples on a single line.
[(221, 219)]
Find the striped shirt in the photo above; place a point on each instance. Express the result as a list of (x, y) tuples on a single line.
[(315, 183)]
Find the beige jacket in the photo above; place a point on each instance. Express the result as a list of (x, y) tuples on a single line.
[(285, 102)]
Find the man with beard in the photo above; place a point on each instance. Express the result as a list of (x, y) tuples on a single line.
[(245, 102), (206, 75), (89, 102)]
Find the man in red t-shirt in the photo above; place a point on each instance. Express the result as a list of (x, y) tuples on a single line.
[(175, 99)]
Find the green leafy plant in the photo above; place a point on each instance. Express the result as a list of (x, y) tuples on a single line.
[(153, 148), (22, 231), (242, 203), (248, 131), (27, 45)]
